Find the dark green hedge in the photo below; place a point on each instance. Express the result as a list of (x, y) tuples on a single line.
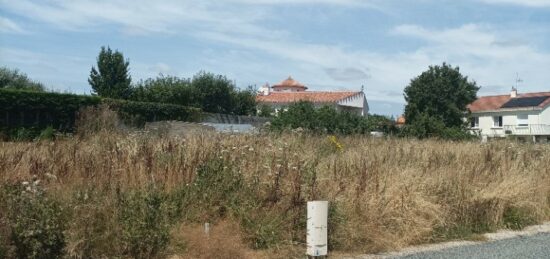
[(38, 110), (137, 113)]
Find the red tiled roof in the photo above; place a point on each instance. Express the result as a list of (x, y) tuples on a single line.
[(315, 97), (289, 82), (400, 120), (491, 103)]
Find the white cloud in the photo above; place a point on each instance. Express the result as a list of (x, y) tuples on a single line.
[(487, 54), (529, 3), (9, 26)]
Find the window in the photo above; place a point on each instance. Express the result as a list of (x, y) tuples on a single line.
[(474, 122), (497, 121), (523, 120)]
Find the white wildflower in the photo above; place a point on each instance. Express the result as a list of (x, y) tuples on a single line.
[(25, 183)]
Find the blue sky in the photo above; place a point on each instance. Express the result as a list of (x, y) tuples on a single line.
[(325, 44)]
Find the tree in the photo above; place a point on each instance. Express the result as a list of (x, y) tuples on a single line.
[(111, 79), (244, 101), (438, 96), (13, 79), (214, 92), (265, 110), (166, 89)]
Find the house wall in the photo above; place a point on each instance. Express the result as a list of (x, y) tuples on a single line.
[(357, 110), (359, 102), (544, 116), (508, 118)]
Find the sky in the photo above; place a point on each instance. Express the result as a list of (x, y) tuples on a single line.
[(325, 44)]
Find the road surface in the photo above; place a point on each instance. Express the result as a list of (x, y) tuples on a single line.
[(533, 246)]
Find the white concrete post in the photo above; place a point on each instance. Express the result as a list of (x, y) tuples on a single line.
[(317, 217), (207, 229)]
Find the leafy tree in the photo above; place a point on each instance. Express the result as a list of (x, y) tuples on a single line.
[(297, 115), (166, 89), (265, 111), (111, 78), (211, 93), (437, 100), (214, 92), (244, 101), (329, 120), (13, 79)]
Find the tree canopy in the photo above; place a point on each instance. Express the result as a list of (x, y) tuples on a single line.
[(208, 91), (111, 78), (437, 100), (327, 119), (13, 79)]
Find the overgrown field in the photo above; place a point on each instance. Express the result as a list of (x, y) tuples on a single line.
[(145, 195)]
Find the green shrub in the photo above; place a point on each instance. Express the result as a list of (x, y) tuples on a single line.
[(94, 230), (36, 222), (144, 223), (216, 190), (517, 218), (263, 228), (47, 133), (327, 119), (137, 113)]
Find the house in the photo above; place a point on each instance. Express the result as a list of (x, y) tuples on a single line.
[(290, 91), (520, 115)]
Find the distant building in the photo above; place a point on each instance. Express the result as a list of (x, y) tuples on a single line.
[(400, 122), (519, 115), (289, 91)]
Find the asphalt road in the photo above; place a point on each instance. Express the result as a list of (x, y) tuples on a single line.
[(535, 246)]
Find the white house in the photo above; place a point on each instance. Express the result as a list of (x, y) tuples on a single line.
[(519, 115), (290, 91)]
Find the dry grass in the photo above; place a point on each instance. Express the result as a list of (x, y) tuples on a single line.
[(384, 193)]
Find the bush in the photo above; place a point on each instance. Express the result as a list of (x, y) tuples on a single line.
[(47, 133), (13, 79), (36, 222), (145, 226), (93, 119), (137, 113), (212, 194), (327, 119), (207, 91), (431, 127)]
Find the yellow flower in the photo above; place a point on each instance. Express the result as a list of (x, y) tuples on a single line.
[(336, 144)]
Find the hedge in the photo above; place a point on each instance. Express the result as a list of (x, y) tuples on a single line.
[(26, 109), (38, 110), (137, 113)]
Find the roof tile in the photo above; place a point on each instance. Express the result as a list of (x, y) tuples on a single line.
[(492, 103), (315, 97)]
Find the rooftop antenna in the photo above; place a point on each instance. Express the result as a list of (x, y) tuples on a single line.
[(518, 80)]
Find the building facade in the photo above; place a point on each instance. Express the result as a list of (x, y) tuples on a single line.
[(518, 115), (289, 91)]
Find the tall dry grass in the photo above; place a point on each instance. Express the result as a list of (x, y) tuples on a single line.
[(384, 193)]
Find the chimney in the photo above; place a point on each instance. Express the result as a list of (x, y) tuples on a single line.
[(514, 93)]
